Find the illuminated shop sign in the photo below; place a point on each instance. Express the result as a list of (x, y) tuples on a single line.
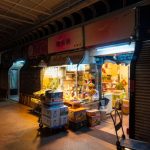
[(68, 40), (110, 29), (37, 48), (63, 42)]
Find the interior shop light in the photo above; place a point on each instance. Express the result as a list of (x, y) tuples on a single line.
[(51, 72), (114, 49)]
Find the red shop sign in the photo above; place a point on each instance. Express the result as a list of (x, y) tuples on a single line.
[(114, 28), (38, 48), (68, 40)]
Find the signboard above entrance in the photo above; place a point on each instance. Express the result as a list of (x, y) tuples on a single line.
[(68, 40), (110, 29), (37, 48)]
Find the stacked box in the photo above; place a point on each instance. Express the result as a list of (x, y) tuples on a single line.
[(53, 97), (51, 123), (93, 117), (93, 112), (63, 120), (54, 113), (51, 112), (77, 115), (63, 115), (64, 110), (103, 113), (77, 125), (93, 121), (54, 116)]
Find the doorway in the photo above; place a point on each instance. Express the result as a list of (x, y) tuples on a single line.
[(14, 80), (114, 70)]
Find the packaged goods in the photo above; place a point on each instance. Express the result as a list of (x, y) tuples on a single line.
[(53, 96), (77, 115), (51, 112), (50, 122), (94, 120), (93, 112), (63, 110), (125, 107), (63, 120)]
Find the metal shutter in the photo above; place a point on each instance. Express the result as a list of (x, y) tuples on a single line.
[(142, 93)]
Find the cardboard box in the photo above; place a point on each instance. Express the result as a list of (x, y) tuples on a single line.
[(53, 95), (91, 105), (103, 114), (51, 112), (63, 120), (51, 123), (77, 115), (77, 125), (63, 110), (125, 107), (93, 112), (94, 121)]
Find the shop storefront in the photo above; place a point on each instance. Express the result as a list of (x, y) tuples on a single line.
[(36, 58), (70, 72), (110, 44)]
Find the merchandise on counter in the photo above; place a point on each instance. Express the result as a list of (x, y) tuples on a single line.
[(77, 115), (35, 105), (93, 121), (73, 104), (93, 112), (90, 105)]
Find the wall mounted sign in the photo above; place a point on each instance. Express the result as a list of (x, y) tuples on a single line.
[(37, 48), (115, 28), (68, 40)]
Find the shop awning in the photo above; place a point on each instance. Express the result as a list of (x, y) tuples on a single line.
[(74, 57)]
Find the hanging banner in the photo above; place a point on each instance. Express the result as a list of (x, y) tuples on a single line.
[(37, 48), (68, 40), (115, 28)]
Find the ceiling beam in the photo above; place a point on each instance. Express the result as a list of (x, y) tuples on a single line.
[(18, 12), (7, 26), (33, 1), (3, 31), (26, 7), (15, 19)]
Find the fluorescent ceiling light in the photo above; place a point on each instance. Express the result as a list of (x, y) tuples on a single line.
[(116, 49)]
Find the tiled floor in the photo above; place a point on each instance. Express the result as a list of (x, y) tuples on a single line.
[(107, 125), (19, 131)]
